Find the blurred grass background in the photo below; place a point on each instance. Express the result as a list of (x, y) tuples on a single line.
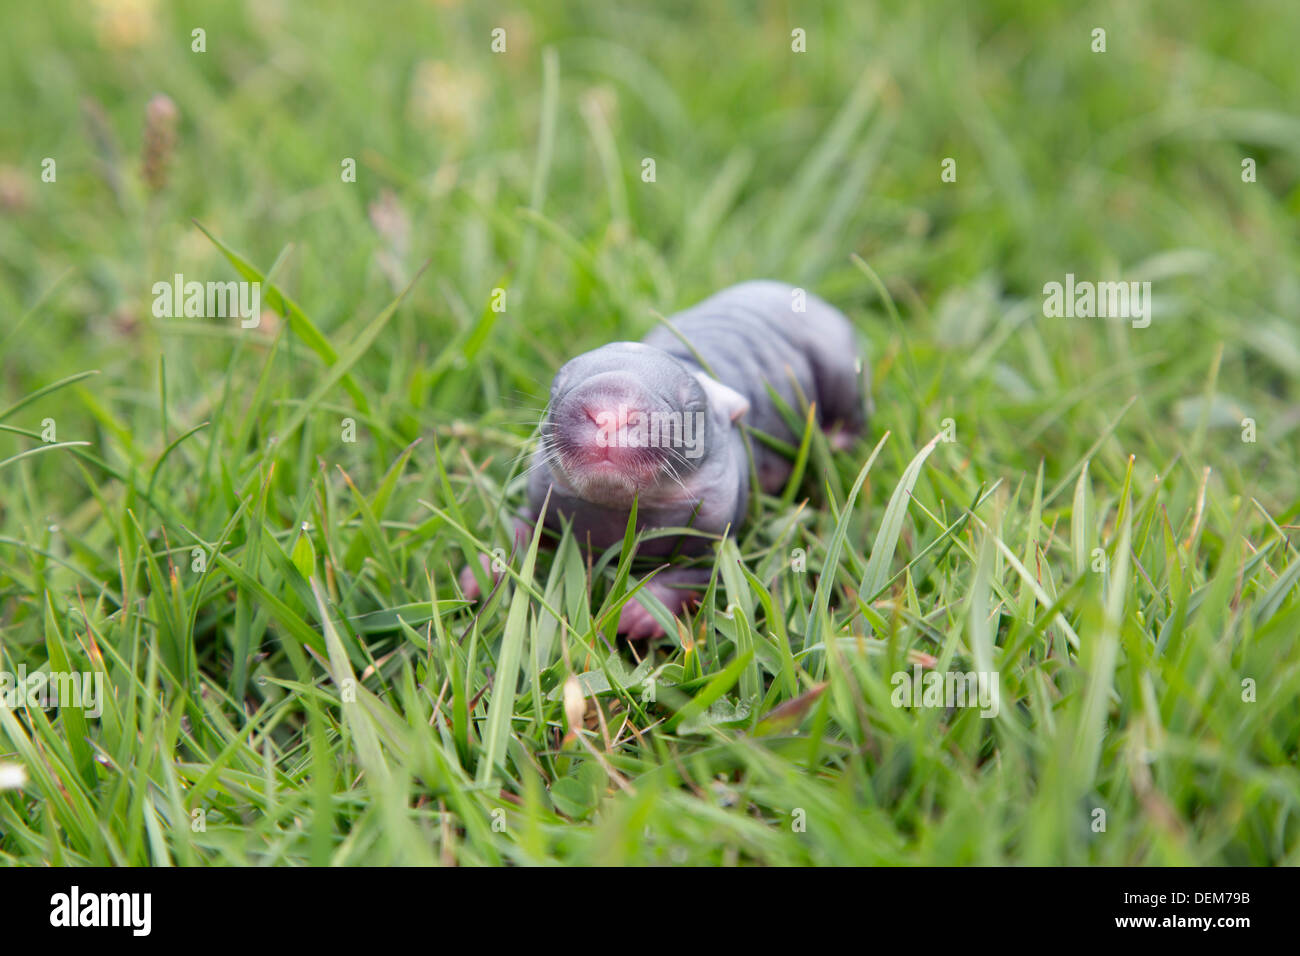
[(523, 170)]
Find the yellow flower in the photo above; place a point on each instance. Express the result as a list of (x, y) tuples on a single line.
[(446, 98), (124, 24)]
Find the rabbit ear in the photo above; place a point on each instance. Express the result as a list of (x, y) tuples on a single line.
[(726, 401)]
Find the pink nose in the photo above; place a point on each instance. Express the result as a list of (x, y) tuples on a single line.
[(611, 418)]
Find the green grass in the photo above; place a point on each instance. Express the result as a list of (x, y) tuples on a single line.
[(1098, 532)]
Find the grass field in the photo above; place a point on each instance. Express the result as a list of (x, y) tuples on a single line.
[(253, 534)]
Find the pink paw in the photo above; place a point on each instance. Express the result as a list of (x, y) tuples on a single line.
[(841, 440), (635, 622), (469, 583)]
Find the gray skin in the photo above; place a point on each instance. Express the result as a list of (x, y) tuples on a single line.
[(611, 431)]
